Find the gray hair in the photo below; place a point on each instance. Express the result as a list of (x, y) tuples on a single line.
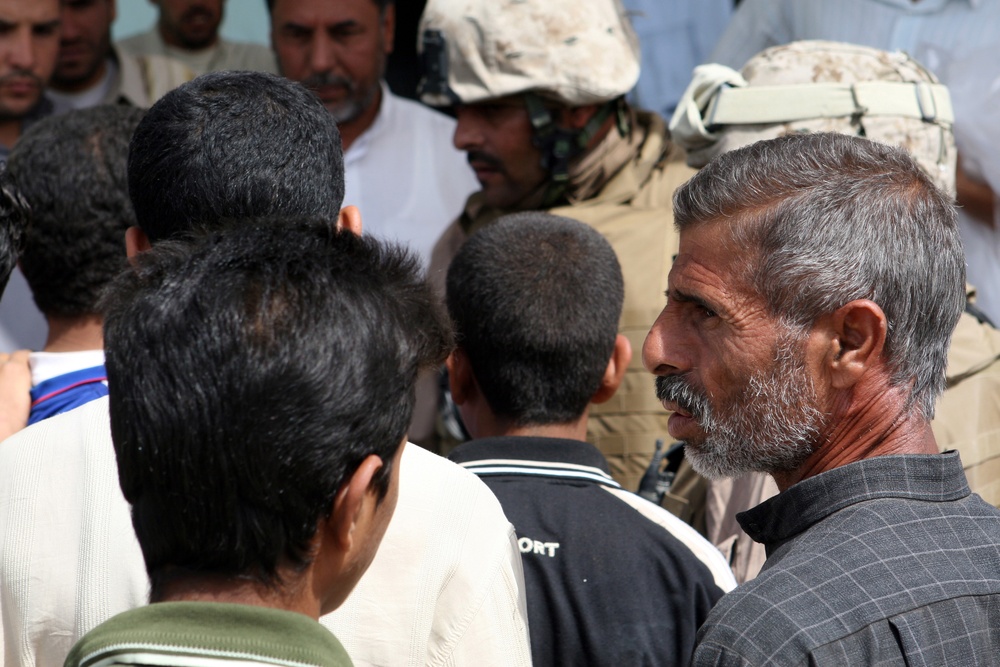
[(829, 219)]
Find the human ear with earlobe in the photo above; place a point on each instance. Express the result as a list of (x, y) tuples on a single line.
[(856, 334), (615, 372)]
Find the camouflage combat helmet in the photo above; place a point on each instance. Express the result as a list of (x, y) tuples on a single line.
[(820, 86), (574, 53), (566, 52)]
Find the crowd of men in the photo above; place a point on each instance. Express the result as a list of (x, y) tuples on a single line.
[(331, 377)]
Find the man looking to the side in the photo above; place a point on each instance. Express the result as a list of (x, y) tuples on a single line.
[(244, 519), (611, 579), (539, 89), (885, 97), (400, 167), (188, 31), (807, 326)]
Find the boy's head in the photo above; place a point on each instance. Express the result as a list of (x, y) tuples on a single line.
[(536, 299), (71, 169), (234, 145), (261, 382)]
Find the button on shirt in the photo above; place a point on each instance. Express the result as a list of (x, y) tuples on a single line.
[(405, 176), (888, 561)]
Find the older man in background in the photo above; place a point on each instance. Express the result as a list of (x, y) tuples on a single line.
[(91, 71), (401, 170)]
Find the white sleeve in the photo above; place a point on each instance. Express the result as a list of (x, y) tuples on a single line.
[(69, 559), (446, 586)]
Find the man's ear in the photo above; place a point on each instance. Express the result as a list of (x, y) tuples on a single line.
[(352, 502), (350, 219), (460, 379), (615, 372), (136, 241), (857, 333), (388, 27)]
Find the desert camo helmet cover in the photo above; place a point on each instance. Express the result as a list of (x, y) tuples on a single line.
[(820, 86)]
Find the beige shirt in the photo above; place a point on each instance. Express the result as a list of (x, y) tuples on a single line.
[(225, 55)]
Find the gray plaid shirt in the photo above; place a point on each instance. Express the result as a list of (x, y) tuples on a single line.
[(887, 561)]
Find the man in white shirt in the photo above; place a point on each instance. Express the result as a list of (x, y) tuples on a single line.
[(401, 169), (188, 31)]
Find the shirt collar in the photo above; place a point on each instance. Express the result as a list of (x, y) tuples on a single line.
[(928, 477), (555, 457)]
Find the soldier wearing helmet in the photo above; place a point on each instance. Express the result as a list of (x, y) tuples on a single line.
[(538, 89), (822, 86)]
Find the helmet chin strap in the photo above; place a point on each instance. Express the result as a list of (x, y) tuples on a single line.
[(559, 145)]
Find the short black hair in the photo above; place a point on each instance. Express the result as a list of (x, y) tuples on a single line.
[(536, 299), (14, 212), (71, 169), (234, 145), (251, 370)]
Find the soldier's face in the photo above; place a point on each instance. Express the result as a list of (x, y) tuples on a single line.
[(84, 43), (741, 384), (336, 49), (29, 43), (497, 136)]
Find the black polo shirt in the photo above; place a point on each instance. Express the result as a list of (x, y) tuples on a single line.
[(611, 579)]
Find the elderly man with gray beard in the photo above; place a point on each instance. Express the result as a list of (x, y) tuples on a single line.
[(805, 335)]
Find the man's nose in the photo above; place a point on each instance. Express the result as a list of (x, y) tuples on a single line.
[(322, 54), (467, 131), (662, 351), (21, 50)]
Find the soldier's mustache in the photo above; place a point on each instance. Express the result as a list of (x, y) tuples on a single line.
[(484, 158)]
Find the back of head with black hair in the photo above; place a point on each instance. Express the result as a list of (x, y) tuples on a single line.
[(234, 145), (14, 212), (71, 169), (536, 300), (250, 372)]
